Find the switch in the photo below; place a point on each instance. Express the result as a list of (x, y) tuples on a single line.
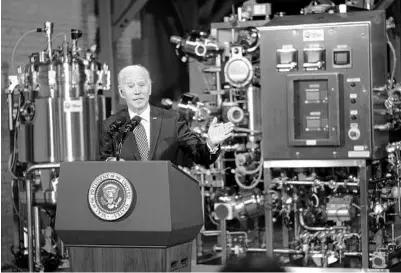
[(353, 117), (353, 101)]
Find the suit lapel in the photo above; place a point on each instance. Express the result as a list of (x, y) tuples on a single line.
[(155, 126), (129, 147)]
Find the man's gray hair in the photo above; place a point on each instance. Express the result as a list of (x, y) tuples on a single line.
[(126, 71)]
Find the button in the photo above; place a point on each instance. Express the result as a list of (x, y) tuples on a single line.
[(353, 101), (352, 84), (353, 117)]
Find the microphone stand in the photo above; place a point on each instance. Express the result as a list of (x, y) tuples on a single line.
[(115, 132), (119, 143), (121, 135)]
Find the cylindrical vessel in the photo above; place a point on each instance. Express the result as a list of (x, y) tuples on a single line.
[(254, 106), (39, 139), (96, 114), (74, 129)]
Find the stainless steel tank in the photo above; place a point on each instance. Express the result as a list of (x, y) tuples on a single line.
[(62, 107)]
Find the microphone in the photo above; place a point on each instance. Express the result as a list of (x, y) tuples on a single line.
[(115, 126), (131, 124), (128, 127)]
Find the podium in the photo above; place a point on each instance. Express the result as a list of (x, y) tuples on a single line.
[(127, 216)]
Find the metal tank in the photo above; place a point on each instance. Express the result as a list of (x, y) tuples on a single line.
[(62, 109), (56, 105)]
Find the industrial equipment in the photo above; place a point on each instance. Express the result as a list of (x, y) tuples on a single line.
[(55, 106), (225, 83), (327, 94), (314, 109)]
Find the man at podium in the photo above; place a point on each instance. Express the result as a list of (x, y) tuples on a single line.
[(154, 133)]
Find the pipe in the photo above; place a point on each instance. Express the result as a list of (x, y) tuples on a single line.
[(289, 251), (29, 220), (318, 183), (42, 167), (223, 229), (211, 232), (219, 99), (256, 249), (399, 191), (37, 233), (304, 226)]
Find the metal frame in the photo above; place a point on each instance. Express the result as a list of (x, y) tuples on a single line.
[(363, 189), (33, 217)]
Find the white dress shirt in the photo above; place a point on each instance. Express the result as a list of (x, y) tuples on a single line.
[(145, 121)]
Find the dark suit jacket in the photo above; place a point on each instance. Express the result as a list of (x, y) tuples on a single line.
[(168, 133)]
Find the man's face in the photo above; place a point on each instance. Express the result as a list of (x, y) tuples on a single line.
[(136, 89)]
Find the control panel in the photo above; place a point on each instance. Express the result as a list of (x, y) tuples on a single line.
[(317, 76)]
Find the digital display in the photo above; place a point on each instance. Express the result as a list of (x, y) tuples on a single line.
[(342, 57), (312, 95), (312, 123), (311, 109)]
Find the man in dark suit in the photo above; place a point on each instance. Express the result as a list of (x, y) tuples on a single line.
[(159, 133)]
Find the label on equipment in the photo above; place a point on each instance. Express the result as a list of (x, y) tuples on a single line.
[(311, 142), (362, 154), (359, 148), (354, 80), (312, 35), (73, 106)]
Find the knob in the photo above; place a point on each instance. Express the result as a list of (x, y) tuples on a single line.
[(353, 101), (354, 133)]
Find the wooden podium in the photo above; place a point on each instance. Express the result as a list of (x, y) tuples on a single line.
[(128, 216)]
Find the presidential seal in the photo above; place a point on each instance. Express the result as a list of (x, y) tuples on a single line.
[(111, 196)]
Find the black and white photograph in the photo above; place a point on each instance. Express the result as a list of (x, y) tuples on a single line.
[(200, 136)]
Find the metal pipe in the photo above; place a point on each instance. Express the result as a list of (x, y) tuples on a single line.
[(219, 99), (29, 220), (304, 226), (353, 254), (392, 232), (251, 112), (399, 190), (41, 167), (318, 183), (211, 232), (10, 111), (287, 251), (223, 239), (256, 249), (37, 233)]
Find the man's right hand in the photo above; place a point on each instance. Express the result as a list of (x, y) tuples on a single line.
[(114, 159)]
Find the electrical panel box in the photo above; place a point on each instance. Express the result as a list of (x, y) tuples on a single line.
[(317, 76)]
